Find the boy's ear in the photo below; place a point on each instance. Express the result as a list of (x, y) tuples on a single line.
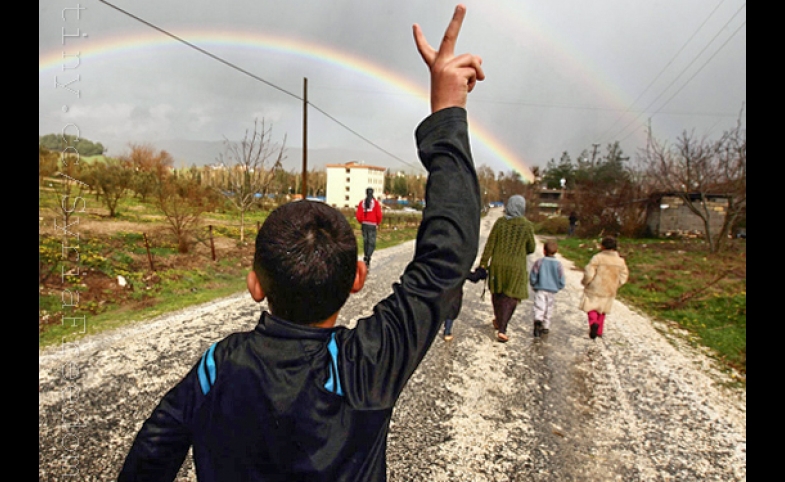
[(359, 277), (255, 287)]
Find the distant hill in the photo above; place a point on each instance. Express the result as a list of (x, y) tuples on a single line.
[(201, 153), (70, 143)]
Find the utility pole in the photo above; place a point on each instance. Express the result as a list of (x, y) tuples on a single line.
[(305, 138), (594, 153)]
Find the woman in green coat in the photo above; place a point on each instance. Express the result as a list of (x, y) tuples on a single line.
[(504, 256)]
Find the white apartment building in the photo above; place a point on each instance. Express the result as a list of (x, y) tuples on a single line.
[(346, 183)]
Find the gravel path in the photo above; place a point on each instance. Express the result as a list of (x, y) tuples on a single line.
[(634, 405)]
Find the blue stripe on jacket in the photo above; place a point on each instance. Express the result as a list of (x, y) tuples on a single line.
[(334, 382), (206, 369)]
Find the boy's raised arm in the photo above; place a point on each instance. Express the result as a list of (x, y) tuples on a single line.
[(385, 349)]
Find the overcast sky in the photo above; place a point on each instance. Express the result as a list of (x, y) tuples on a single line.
[(562, 75)]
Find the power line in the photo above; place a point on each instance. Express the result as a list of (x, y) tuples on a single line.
[(256, 77), (663, 69), (702, 66), (545, 105), (696, 72), (595, 108), (695, 59)]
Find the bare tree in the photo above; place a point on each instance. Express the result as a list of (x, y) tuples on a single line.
[(731, 152), (183, 200), (317, 182), (510, 184), (248, 176), (489, 190), (697, 170)]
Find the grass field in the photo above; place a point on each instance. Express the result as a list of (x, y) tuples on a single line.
[(110, 248)]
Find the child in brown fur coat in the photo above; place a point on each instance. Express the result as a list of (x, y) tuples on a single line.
[(602, 278)]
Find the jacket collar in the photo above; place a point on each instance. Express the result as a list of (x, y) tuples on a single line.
[(271, 325)]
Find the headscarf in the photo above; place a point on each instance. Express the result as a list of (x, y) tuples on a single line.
[(516, 207), (368, 198)]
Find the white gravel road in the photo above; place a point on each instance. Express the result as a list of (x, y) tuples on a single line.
[(638, 404)]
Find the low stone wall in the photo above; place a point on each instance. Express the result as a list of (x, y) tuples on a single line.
[(673, 217)]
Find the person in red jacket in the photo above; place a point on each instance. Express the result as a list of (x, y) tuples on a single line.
[(369, 215)]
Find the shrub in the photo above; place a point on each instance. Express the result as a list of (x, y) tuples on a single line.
[(553, 225)]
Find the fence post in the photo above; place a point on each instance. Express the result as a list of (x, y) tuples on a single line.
[(212, 244), (149, 255)]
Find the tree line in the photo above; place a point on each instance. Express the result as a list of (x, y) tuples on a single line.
[(612, 193), (608, 190)]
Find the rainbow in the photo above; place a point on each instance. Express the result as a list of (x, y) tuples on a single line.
[(312, 51)]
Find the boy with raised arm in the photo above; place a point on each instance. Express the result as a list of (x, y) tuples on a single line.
[(298, 398)]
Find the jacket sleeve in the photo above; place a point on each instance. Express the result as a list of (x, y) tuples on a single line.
[(562, 281), (359, 213), (589, 271), (624, 274), (384, 349), (162, 443), (531, 243), (378, 208), (534, 272)]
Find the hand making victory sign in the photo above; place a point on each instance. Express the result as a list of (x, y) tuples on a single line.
[(452, 78)]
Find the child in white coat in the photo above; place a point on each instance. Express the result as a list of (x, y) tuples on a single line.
[(602, 278)]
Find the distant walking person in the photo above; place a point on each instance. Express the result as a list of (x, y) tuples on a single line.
[(504, 256), (602, 278), (369, 215), (547, 279), (573, 223)]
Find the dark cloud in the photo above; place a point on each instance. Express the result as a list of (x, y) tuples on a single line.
[(561, 74)]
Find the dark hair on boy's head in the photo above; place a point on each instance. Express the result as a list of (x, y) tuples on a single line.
[(609, 242), (306, 261), (551, 247)]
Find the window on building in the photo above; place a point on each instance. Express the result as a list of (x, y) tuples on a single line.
[(347, 198)]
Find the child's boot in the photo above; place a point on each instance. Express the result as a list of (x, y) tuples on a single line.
[(537, 328)]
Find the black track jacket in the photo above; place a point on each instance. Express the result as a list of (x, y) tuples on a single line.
[(286, 402)]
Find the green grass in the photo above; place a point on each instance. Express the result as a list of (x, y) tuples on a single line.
[(179, 282), (389, 237), (679, 281), (92, 159)]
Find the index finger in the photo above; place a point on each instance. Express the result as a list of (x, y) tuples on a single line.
[(451, 35), (426, 51)]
